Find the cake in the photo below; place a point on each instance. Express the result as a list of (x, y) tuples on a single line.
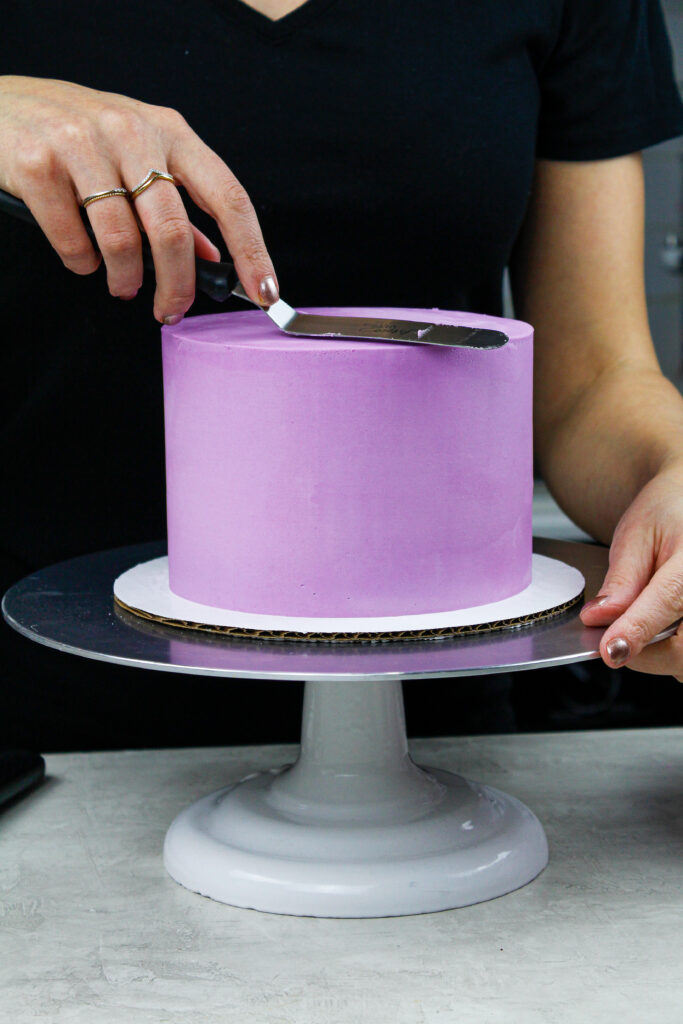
[(339, 478)]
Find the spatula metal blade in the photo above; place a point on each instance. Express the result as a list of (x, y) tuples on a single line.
[(411, 332)]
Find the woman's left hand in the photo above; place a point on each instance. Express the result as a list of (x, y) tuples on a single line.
[(642, 592)]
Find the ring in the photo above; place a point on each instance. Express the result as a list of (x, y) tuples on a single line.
[(148, 180), (104, 195)]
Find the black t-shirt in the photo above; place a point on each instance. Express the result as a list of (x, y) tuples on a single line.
[(388, 148)]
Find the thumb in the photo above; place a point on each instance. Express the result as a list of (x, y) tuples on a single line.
[(631, 564)]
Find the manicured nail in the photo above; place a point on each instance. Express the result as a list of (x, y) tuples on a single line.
[(619, 651), (597, 602), (267, 291), (171, 320)]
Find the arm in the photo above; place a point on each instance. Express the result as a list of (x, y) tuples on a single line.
[(608, 425)]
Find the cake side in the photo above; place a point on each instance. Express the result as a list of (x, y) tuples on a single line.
[(333, 478)]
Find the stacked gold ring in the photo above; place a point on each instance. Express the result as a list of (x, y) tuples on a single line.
[(149, 179), (104, 195)]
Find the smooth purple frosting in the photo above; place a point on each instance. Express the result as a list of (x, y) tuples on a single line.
[(320, 477)]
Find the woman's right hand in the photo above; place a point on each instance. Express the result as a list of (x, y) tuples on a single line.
[(61, 142)]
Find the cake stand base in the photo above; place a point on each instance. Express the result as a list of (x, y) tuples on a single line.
[(354, 828)]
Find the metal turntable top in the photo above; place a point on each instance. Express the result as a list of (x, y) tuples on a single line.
[(70, 606)]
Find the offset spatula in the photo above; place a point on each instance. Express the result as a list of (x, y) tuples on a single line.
[(414, 332), (219, 281)]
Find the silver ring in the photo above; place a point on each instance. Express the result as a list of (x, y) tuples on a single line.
[(149, 179), (104, 195)]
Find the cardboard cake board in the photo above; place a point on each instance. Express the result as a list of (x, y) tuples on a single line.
[(555, 588)]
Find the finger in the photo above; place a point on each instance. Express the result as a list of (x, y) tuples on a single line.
[(655, 608), (164, 219), (216, 190), (204, 247), (631, 564), (115, 227), (56, 210)]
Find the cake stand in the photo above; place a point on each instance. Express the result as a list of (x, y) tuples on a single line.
[(354, 828)]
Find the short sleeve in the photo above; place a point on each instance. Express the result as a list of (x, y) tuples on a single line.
[(607, 87)]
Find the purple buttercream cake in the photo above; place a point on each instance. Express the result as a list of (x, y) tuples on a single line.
[(312, 477)]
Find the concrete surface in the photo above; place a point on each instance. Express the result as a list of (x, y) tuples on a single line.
[(93, 930)]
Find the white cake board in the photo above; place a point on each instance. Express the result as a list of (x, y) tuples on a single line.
[(554, 586)]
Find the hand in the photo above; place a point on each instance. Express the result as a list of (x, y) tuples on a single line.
[(60, 142), (642, 592)]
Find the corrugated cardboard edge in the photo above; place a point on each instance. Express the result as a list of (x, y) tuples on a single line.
[(360, 638)]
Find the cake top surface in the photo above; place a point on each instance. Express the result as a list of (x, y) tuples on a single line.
[(250, 328)]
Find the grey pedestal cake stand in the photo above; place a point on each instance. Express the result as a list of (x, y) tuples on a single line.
[(354, 828)]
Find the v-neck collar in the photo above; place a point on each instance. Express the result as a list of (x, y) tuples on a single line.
[(261, 23)]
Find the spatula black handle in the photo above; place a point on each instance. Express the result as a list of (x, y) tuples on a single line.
[(216, 280)]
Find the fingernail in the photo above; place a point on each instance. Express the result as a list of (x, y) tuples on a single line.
[(597, 602), (267, 291), (619, 651), (171, 320)]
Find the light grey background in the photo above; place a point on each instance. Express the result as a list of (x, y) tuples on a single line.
[(664, 215)]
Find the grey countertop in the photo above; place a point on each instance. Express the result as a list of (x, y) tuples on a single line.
[(93, 930)]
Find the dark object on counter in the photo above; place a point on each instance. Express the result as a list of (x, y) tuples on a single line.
[(20, 771)]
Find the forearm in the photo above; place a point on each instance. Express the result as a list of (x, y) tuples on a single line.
[(608, 426), (606, 420), (623, 429)]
